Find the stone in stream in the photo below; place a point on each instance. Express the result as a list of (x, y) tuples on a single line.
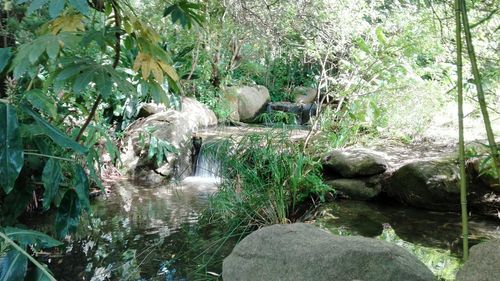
[(172, 126), (483, 263), (247, 102), (305, 252), (358, 189), (304, 95), (302, 112), (351, 163), (432, 185)]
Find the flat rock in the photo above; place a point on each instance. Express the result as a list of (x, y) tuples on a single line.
[(357, 189), (352, 163), (305, 252)]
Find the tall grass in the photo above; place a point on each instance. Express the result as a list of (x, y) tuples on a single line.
[(265, 180)]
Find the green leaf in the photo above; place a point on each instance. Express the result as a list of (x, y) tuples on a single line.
[(81, 183), (39, 275), (83, 80), (380, 35), (35, 5), (68, 214), (51, 178), (56, 7), (5, 55), (43, 102), (15, 203), (53, 49), (11, 147), (80, 5), (13, 266), (362, 45), (55, 134), (26, 237)]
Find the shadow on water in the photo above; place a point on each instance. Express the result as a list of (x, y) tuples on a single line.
[(433, 237)]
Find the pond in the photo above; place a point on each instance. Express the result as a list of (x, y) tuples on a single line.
[(146, 233)]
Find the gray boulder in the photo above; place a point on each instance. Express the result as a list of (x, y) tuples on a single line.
[(483, 263), (352, 163), (432, 185), (252, 100), (358, 189), (304, 95), (305, 252), (172, 126)]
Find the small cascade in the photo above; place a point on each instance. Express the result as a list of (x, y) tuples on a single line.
[(206, 165)]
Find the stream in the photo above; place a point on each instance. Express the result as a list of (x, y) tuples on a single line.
[(141, 233)]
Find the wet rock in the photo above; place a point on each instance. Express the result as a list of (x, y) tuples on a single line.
[(483, 263), (432, 185), (172, 126), (358, 189), (352, 163), (305, 252), (302, 112), (304, 95), (252, 101)]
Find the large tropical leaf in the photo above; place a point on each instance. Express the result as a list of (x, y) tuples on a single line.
[(184, 12), (51, 178), (81, 184), (57, 6), (15, 203), (11, 147), (28, 54), (26, 237), (13, 266), (68, 214), (42, 101), (5, 54), (55, 134)]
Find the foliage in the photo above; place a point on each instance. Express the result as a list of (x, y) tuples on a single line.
[(158, 149), (265, 180)]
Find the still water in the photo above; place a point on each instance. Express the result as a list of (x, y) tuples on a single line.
[(142, 233)]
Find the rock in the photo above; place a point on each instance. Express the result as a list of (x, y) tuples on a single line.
[(483, 263), (172, 126), (252, 101), (486, 178), (432, 185), (302, 112), (149, 109), (304, 95), (352, 163), (358, 189), (305, 252)]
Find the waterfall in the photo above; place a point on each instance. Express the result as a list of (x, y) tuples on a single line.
[(206, 165)]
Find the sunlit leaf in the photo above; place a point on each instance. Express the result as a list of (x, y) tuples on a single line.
[(11, 147), (66, 23)]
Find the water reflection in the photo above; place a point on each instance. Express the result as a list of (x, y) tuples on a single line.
[(137, 233)]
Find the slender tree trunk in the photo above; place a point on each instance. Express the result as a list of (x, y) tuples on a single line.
[(461, 145), (479, 88)]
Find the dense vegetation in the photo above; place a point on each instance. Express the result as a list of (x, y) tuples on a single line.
[(74, 74)]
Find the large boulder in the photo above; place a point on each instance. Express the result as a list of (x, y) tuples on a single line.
[(172, 126), (305, 252), (432, 185), (357, 189), (302, 112), (483, 263), (304, 95), (352, 163), (252, 100)]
